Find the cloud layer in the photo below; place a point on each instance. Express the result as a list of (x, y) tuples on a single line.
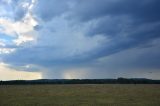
[(97, 39)]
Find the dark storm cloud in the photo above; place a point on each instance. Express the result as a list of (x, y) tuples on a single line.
[(147, 10), (127, 24), (131, 39), (47, 10), (76, 33), (38, 56)]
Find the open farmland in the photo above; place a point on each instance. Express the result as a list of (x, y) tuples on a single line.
[(80, 95)]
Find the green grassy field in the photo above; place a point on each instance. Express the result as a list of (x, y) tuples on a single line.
[(80, 95)]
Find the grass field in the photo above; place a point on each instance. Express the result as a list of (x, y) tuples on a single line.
[(80, 95)]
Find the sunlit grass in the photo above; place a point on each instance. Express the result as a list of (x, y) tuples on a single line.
[(80, 95)]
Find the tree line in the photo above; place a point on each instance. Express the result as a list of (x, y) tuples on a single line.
[(82, 81)]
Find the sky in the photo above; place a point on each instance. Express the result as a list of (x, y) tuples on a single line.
[(79, 39)]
